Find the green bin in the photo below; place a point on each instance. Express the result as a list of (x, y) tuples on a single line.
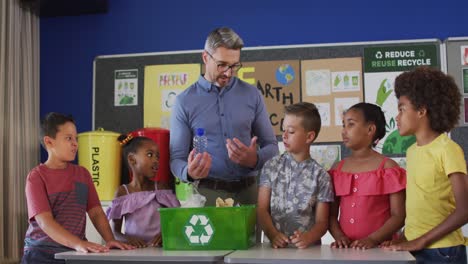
[(208, 228)]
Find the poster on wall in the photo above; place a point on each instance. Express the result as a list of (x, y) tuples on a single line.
[(126, 87), (281, 147), (464, 55), (466, 109), (381, 66), (333, 85), (401, 161), (162, 84), (326, 155), (278, 82), (465, 80)]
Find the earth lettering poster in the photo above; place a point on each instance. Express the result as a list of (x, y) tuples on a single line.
[(278, 82)]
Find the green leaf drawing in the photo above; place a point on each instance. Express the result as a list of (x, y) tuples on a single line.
[(337, 81), (126, 100), (382, 93)]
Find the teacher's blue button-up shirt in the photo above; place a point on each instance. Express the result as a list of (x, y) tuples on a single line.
[(234, 111)]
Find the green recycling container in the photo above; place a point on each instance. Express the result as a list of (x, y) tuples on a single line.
[(208, 228)]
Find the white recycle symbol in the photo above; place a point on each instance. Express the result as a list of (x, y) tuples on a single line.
[(199, 230), (378, 55)]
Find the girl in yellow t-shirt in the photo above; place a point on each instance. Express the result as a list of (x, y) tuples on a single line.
[(437, 182)]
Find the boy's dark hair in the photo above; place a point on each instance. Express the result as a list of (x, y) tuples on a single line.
[(130, 144), (50, 124), (372, 114), (311, 120), (435, 91)]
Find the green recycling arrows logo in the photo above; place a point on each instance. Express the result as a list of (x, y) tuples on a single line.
[(199, 230)]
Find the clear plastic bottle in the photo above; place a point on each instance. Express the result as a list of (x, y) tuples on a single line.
[(200, 142)]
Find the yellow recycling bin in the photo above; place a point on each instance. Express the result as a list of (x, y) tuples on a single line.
[(100, 152)]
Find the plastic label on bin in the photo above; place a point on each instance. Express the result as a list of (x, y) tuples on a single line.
[(199, 230)]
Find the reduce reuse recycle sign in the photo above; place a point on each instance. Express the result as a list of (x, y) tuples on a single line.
[(199, 230)]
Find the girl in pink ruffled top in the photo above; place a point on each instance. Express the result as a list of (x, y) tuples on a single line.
[(138, 201), (369, 187)]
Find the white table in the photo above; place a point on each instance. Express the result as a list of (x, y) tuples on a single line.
[(317, 254), (145, 255)]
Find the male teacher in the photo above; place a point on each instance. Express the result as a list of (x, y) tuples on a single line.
[(235, 120)]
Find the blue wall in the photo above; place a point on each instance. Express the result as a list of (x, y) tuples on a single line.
[(70, 44)]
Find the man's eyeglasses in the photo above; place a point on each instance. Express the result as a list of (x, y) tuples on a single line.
[(223, 67)]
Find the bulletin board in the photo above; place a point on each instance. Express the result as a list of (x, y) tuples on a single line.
[(282, 75), (333, 85), (457, 67)]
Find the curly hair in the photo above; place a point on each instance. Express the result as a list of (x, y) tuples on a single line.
[(435, 91)]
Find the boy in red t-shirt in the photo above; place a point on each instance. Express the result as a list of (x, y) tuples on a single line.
[(59, 194)]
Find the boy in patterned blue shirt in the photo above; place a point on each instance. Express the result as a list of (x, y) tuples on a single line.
[(294, 190)]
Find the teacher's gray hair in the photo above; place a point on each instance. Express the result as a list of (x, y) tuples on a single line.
[(223, 37)]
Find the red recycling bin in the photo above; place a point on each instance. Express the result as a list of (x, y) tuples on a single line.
[(161, 137)]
